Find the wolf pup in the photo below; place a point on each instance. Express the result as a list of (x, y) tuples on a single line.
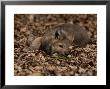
[(59, 39)]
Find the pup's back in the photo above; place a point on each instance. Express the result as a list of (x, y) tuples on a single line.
[(73, 33)]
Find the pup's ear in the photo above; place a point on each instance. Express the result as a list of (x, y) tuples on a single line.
[(57, 34), (36, 43)]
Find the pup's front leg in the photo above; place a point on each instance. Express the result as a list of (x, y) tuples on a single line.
[(36, 43)]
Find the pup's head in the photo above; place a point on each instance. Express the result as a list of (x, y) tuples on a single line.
[(61, 47), (56, 44)]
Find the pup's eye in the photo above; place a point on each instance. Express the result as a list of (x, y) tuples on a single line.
[(60, 45)]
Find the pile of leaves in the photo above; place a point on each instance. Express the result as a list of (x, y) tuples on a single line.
[(80, 61)]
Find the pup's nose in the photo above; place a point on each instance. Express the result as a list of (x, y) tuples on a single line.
[(71, 47)]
